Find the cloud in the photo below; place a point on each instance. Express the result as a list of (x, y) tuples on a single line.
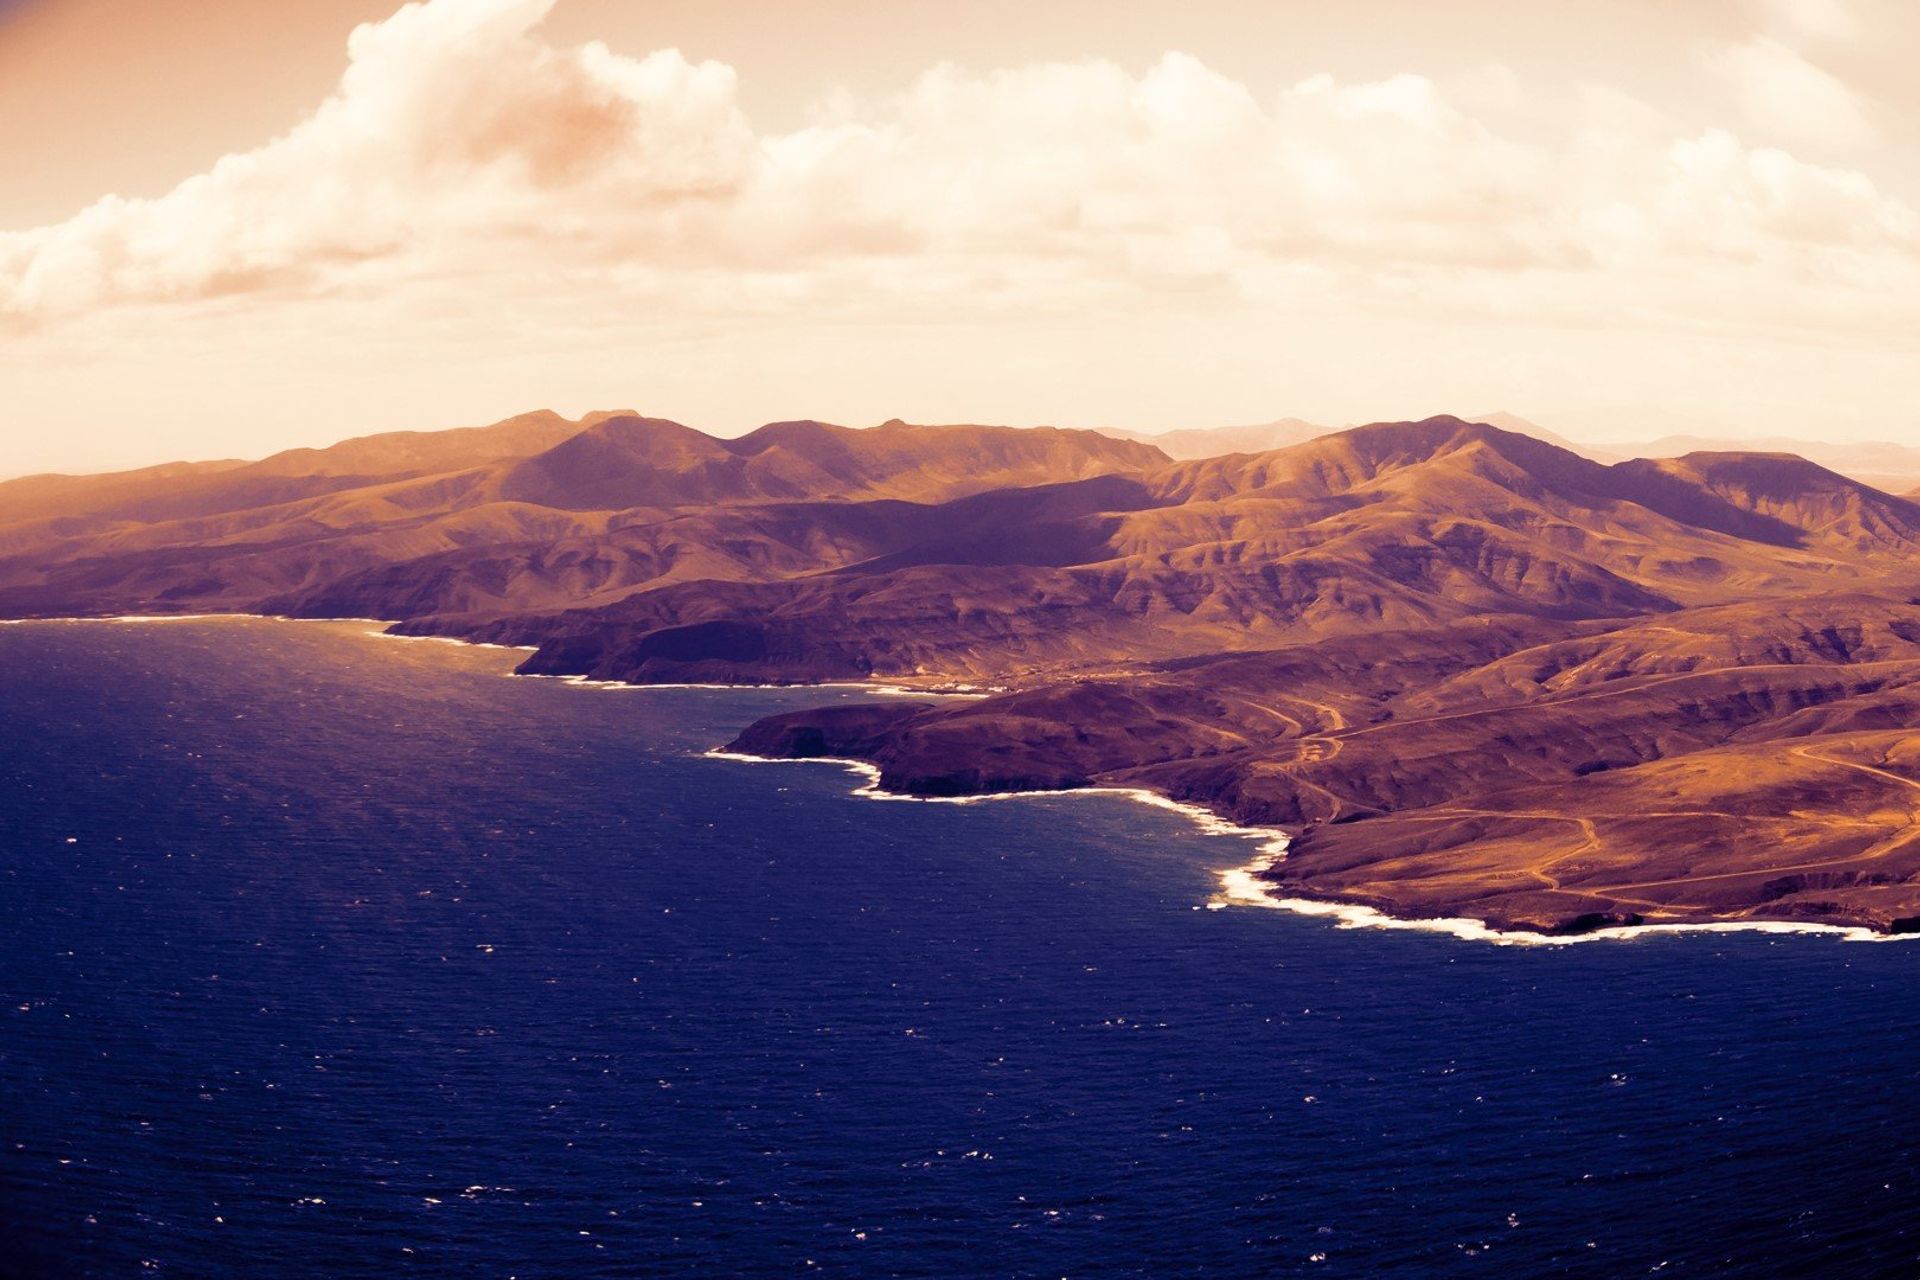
[(1819, 19), (453, 126), (1791, 99), (463, 161)]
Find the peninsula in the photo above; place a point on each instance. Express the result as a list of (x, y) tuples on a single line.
[(1472, 672)]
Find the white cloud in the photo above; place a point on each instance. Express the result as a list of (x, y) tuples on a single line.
[(465, 161), (1819, 19), (1791, 99), (453, 126)]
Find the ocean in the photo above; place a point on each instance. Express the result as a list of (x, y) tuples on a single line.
[(328, 954)]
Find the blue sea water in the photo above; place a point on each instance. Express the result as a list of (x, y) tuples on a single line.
[(323, 954)]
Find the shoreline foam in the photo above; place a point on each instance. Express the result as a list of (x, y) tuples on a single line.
[(1273, 840), (381, 632), (379, 625), (1241, 886)]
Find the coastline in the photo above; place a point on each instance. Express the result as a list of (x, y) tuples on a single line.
[(382, 629), (1240, 886)]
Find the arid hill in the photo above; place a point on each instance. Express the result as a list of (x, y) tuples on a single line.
[(531, 512), (1477, 673), (1284, 433), (1883, 464), (1663, 771)]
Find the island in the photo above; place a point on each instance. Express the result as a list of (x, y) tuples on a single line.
[(1470, 672)]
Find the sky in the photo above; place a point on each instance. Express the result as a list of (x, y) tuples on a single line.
[(233, 226)]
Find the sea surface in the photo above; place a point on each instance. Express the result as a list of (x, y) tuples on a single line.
[(325, 954)]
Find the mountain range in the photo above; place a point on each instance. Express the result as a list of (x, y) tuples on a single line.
[(1883, 464), (1473, 671)]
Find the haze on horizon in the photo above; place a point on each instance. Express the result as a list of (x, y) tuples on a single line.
[(234, 226)]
